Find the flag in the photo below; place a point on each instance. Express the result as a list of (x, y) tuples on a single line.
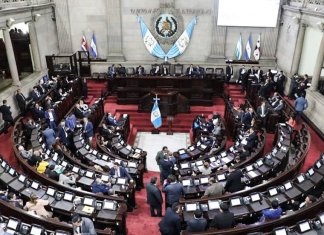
[(156, 118), (183, 41), (257, 50), (248, 48), (238, 51), (84, 44), (93, 47), (149, 41)]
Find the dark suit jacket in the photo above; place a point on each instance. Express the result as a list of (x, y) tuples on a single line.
[(233, 183), (196, 225), (6, 113), (78, 113), (154, 196), (47, 117), (38, 113), (140, 71), (173, 192), (49, 136), (89, 130), (34, 96), (251, 140), (223, 220), (87, 227), (166, 168), (21, 101), (171, 223), (123, 173), (247, 119), (61, 134), (229, 71)]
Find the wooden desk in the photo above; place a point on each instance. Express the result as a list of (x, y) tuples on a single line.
[(198, 91)]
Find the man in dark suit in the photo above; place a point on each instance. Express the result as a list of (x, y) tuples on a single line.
[(51, 117), (259, 74), (197, 224), (247, 118), (121, 70), (251, 139), (171, 223), (21, 101), (233, 182), (82, 225), (78, 111), (38, 112), (49, 136), (63, 135), (262, 112), (229, 72), (173, 191), (165, 71), (166, 167), (140, 70), (154, 198), (35, 94), (223, 219), (119, 172), (88, 130), (6, 116)]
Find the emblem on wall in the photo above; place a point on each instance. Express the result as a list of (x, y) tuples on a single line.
[(166, 26)]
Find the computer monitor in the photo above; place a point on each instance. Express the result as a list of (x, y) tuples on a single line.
[(89, 174), (249, 168), (300, 178), (191, 148), (12, 172), (204, 180), (199, 163), (121, 181), (105, 178), (68, 197), (223, 154), (75, 169), (13, 224), (311, 171), (64, 163), (109, 205), (138, 151), (104, 157), (235, 202), (88, 201), (288, 185), (50, 191), (304, 227), (118, 161), (281, 231), (182, 151), (318, 164), (259, 162), (3, 164), (185, 165), (61, 233), (273, 192), (212, 159), (36, 230), (321, 217), (255, 197), (22, 178), (55, 157), (213, 204), (191, 207), (186, 182), (35, 185), (221, 177), (132, 164)]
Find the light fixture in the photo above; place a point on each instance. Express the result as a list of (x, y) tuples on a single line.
[(320, 25), (296, 19), (36, 17), (10, 22)]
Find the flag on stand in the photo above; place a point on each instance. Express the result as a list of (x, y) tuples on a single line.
[(238, 51), (257, 50), (93, 47), (84, 44), (156, 118), (248, 48)]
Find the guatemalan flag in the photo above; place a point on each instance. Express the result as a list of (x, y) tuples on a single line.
[(149, 41), (257, 50), (156, 118), (84, 44), (93, 47), (238, 51), (183, 41), (248, 48)]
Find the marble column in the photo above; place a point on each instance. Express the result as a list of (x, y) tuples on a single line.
[(298, 49), (34, 46), (318, 66), (218, 43), (11, 58), (114, 40)]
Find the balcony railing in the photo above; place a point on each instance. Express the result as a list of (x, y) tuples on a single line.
[(5, 4), (308, 2)]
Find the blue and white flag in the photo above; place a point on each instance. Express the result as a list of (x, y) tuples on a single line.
[(183, 41), (93, 47), (149, 41), (248, 48), (238, 51), (156, 118)]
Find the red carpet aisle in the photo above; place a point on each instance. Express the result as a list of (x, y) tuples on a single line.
[(6, 149), (140, 221)]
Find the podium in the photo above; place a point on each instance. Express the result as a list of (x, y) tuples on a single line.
[(170, 103)]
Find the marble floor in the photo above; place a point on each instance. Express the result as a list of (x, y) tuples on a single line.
[(152, 143)]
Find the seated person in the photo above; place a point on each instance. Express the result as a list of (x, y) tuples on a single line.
[(198, 223), (205, 169), (214, 189), (38, 206), (35, 94), (49, 104), (38, 112), (112, 71), (84, 107), (279, 106), (244, 153), (100, 187), (79, 113), (274, 99), (140, 70), (234, 182), (51, 173), (224, 218), (119, 171), (164, 71), (273, 213), (67, 178), (35, 158), (217, 130), (112, 121), (309, 200), (156, 70), (11, 198), (107, 132), (191, 71), (121, 70), (25, 153), (61, 94)]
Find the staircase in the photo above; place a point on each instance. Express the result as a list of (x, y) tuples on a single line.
[(95, 89), (234, 92)]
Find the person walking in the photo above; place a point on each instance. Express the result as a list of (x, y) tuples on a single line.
[(154, 197)]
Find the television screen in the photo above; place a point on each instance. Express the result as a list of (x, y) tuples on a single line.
[(3, 164), (105, 177), (321, 217), (300, 179), (182, 151), (249, 168), (12, 171), (132, 164), (75, 169)]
